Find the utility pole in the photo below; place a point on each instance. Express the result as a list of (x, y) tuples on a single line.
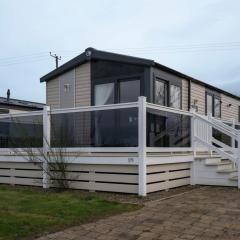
[(56, 58), (8, 95)]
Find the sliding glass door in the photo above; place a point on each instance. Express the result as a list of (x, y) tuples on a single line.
[(123, 121)]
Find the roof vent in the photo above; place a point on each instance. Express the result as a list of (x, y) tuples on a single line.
[(89, 52)]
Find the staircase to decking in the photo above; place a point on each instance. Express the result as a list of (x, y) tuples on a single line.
[(214, 170), (220, 167)]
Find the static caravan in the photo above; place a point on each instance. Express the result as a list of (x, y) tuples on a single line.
[(136, 126)]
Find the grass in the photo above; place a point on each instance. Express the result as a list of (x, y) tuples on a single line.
[(28, 212)]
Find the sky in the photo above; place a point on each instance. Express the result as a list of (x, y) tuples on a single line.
[(198, 38)]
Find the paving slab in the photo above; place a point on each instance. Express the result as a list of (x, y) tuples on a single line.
[(200, 214)]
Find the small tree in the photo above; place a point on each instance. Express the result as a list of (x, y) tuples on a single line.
[(27, 142)]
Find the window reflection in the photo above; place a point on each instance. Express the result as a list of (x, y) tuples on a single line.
[(165, 129), (217, 107), (160, 92), (209, 104), (20, 132), (129, 91), (105, 128), (175, 96)]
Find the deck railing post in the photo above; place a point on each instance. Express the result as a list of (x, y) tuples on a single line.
[(142, 168), (238, 158), (210, 132), (234, 150), (46, 144), (193, 127), (193, 145)]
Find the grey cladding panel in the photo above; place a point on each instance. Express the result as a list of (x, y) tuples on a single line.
[(83, 85)]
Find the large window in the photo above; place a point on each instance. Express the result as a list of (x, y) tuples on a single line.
[(122, 81), (104, 94), (120, 91), (167, 94), (160, 92), (129, 91), (175, 96)]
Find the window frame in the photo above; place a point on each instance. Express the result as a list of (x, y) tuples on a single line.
[(168, 85), (213, 96)]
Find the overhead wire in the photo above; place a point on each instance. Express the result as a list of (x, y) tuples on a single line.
[(164, 49)]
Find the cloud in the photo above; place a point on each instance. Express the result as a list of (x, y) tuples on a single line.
[(140, 28)]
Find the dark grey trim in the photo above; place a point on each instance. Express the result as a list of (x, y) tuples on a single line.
[(145, 84), (22, 108), (65, 67), (93, 54), (213, 92), (152, 86)]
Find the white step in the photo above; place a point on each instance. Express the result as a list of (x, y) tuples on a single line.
[(225, 166), (235, 178), (233, 174), (213, 161), (227, 170), (216, 162), (205, 174)]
